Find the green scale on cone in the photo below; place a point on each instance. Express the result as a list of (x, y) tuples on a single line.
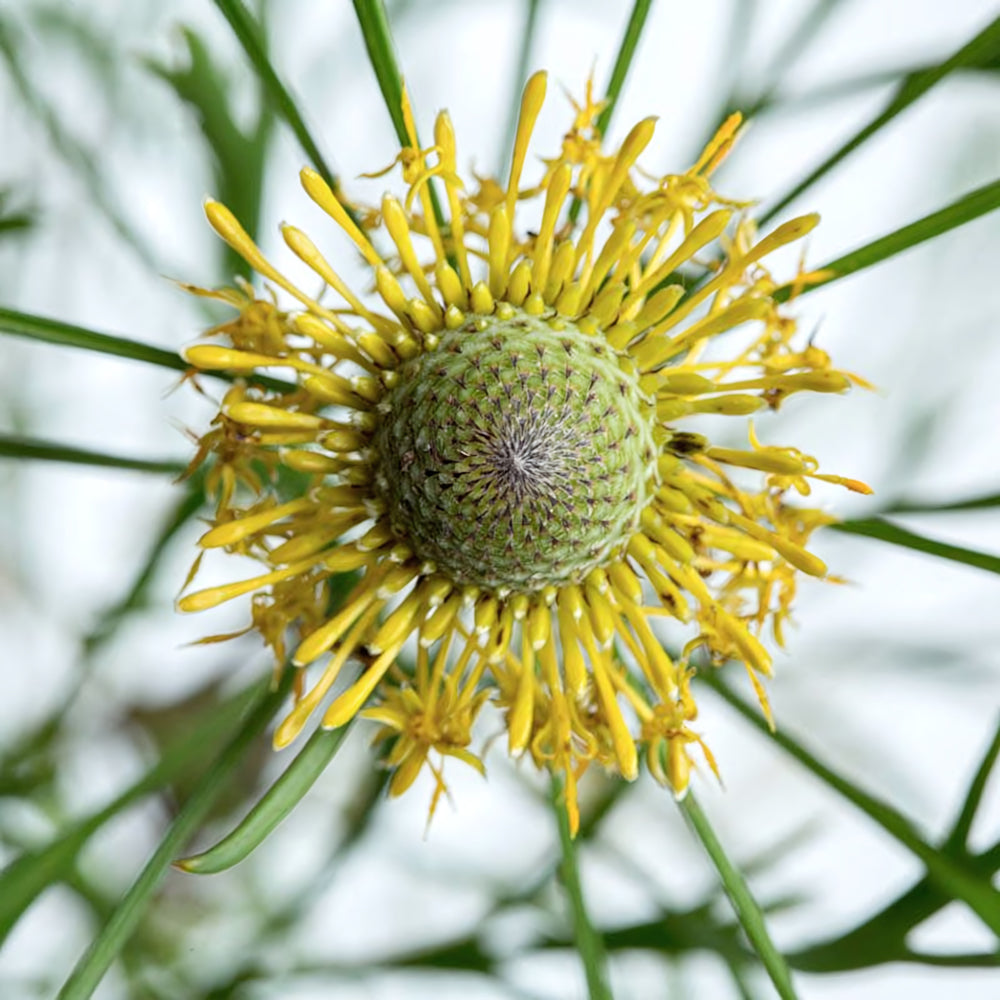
[(516, 455)]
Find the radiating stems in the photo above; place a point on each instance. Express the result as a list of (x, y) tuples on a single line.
[(747, 911), (958, 877), (588, 940)]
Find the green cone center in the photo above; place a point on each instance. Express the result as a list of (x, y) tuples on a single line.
[(516, 455)]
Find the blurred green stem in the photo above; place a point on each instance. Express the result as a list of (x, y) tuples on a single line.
[(53, 331), (749, 913), (103, 950), (588, 941), (18, 447), (25, 878)]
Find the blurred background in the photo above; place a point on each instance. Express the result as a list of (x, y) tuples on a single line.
[(116, 119)]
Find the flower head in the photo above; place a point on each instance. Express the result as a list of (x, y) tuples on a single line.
[(497, 460)]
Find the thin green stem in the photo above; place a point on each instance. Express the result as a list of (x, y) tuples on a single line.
[(94, 963), (623, 62), (794, 47), (959, 836), (248, 33), (970, 206), (374, 24), (905, 506), (16, 446), (588, 940), (53, 331), (884, 531), (957, 876), (531, 9), (982, 47), (747, 910)]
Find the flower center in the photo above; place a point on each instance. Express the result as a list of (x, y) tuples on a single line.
[(516, 455)]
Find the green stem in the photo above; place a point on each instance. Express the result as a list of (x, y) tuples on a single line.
[(374, 24), (956, 876), (94, 963), (53, 331), (588, 940), (981, 49), (884, 531), (747, 911), (623, 62), (248, 33), (965, 209), (279, 800), (15, 446)]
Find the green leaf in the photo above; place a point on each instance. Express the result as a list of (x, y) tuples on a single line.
[(374, 25), (959, 836), (16, 446), (970, 206), (884, 531), (94, 963), (747, 910), (249, 35), (588, 941), (983, 48), (53, 331), (25, 878), (926, 507), (279, 800), (623, 62), (956, 876)]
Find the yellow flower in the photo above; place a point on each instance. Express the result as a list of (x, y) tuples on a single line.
[(494, 457)]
